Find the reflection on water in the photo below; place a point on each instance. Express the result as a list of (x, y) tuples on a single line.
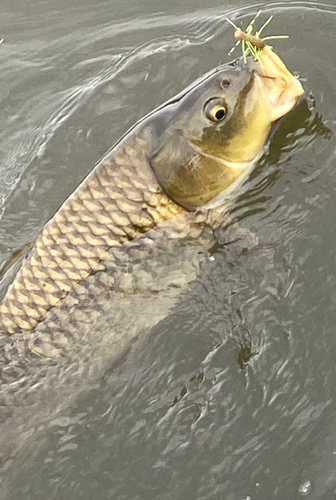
[(232, 394)]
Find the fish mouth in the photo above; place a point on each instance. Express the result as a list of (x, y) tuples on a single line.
[(281, 88)]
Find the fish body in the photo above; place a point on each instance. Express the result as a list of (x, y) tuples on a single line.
[(110, 250), (118, 201), (179, 158)]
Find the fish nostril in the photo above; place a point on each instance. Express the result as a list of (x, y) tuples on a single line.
[(225, 84)]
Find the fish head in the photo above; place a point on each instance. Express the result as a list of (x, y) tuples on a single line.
[(207, 138)]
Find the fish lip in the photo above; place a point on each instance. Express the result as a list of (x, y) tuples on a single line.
[(279, 86), (285, 84), (282, 101), (273, 68)]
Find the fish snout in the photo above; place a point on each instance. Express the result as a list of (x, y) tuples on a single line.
[(278, 84)]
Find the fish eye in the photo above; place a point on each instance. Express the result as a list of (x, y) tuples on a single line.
[(215, 110)]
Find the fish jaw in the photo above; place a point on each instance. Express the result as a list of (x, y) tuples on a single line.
[(280, 87)]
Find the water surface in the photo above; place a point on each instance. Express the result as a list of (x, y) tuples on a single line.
[(233, 394)]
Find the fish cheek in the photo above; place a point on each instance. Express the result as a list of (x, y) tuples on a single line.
[(190, 178), (172, 162)]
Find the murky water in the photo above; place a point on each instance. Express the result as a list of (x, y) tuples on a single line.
[(233, 394)]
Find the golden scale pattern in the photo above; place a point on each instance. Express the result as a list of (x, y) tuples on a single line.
[(118, 201)]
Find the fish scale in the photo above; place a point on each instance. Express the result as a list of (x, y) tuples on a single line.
[(116, 257), (66, 325), (119, 200)]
